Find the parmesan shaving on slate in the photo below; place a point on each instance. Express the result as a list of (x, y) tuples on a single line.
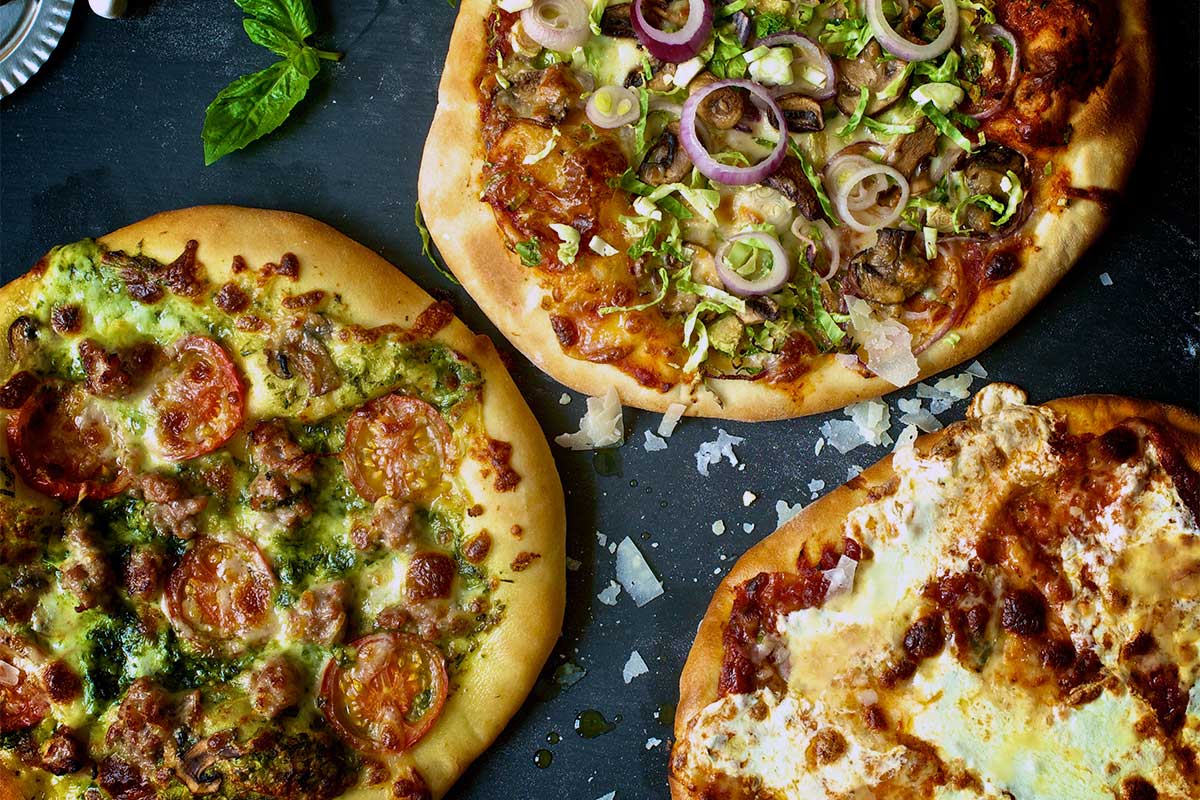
[(601, 425), (654, 443), (635, 575), (710, 453), (634, 667), (671, 419)]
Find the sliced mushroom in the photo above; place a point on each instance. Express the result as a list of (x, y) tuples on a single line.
[(617, 23), (869, 70), (704, 270), (803, 114), (22, 337), (666, 162), (910, 150), (543, 96), (194, 768), (723, 108), (983, 172), (301, 352), (890, 272), (791, 182), (759, 309)]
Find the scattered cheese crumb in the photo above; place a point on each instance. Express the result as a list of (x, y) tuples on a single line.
[(816, 485), (977, 370), (635, 666), (958, 386), (612, 547), (654, 443), (609, 796), (671, 419), (635, 575), (609, 595), (601, 539), (718, 527), (784, 511), (710, 453), (868, 424), (601, 425), (653, 742), (819, 446), (573, 564), (564, 399), (748, 527), (1105, 279), (906, 437), (853, 471), (748, 497)]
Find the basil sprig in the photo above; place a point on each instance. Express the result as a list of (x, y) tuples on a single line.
[(256, 104)]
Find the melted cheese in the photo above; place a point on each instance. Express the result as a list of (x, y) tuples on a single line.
[(995, 737)]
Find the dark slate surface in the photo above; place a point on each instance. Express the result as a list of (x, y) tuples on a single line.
[(109, 133)]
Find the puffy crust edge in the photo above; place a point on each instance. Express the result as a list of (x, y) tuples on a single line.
[(376, 293), (1108, 129), (822, 522)]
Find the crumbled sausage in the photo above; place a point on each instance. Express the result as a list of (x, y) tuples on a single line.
[(319, 615), (168, 508), (1023, 612), (274, 687), (429, 577), (63, 754), (925, 637), (84, 573), (391, 524), (106, 375), (61, 682), (143, 573)]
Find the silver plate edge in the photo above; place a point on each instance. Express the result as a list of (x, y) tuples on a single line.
[(32, 52)]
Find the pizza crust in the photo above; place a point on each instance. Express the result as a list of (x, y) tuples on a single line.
[(821, 523), (376, 293), (1107, 132)]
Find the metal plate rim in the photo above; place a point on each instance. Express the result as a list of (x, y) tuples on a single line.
[(34, 48)]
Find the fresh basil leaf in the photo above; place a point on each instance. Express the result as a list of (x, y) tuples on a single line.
[(295, 18), (253, 106), (270, 37)]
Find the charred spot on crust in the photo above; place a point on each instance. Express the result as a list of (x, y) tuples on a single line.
[(925, 637), (1023, 612)]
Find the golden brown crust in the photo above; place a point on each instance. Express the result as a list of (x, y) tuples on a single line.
[(1107, 131), (822, 521), (376, 293)]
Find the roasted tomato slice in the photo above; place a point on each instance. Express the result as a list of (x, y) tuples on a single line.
[(61, 444), (199, 399), (388, 698), (23, 698), (221, 592), (396, 446)]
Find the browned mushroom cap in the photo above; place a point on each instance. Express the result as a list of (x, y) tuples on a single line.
[(983, 173), (723, 108), (869, 70), (791, 182), (666, 162), (301, 353), (22, 337), (543, 96), (616, 22), (910, 150), (803, 114), (890, 272)]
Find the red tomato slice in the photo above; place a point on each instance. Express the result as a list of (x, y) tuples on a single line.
[(390, 696), (221, 591), (61, 445), (199, 399), (396, 446), (23, 699)]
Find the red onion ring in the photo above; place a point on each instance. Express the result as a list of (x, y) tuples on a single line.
[(900, 47), (559, 25), (709, 166), (742, 24), (613, 117), (957, 311), (829, 241), (773, 281), (814, 55), (676, 46), (995, 32), (841, 197)]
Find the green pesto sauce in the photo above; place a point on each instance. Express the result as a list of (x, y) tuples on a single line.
[(111, 646)]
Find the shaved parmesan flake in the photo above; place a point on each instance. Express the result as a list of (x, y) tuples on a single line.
[(718, 527), (564, 399), (784, 511), (853, 471), (1105, 279), (654, 443), (653, 742), (609, 594), (601, 539), (820, 445), (601, 425), (906, 437), (977, 370), (887, 342), (748, 527), (671, 419), (958, 386), (868, 424), (634, 667), (9, 675), (841, 577), (748, 498), (635, 575), (710, 453), (816, 485), (609, 796)]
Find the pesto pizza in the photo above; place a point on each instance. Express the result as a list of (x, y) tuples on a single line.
[(1006, 609), (768, 208), (273, 523)]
